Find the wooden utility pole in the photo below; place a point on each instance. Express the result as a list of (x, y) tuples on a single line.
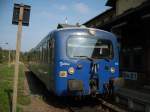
[(18, 45), (21, 16)]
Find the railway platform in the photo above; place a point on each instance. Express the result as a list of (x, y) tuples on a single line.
[(137, 99)]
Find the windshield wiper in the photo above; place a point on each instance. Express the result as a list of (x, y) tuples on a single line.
[(91, 59), (106, 59)]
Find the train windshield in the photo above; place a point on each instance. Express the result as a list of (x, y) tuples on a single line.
[(89, 47)]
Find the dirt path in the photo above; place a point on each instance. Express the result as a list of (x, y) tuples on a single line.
[(38, 105), (41, 100)]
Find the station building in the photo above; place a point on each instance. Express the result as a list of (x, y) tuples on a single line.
[(130, 21)]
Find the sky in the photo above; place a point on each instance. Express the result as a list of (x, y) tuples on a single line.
[(44, 17)]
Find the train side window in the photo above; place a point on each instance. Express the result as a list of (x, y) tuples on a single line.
[(38, 54), (51, 50), (41, 53), (53, 41), (45, 52)]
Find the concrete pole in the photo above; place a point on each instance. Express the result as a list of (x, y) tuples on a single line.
[(9, 58), (18, 45), (8, 55)]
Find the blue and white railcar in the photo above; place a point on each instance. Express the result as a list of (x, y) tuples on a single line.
[(76, 61)]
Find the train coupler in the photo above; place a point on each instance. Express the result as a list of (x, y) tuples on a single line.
[(93, 87), (109, 88)]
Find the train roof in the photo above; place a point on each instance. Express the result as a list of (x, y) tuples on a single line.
[(81, 27), (67, 28), (66, 25)]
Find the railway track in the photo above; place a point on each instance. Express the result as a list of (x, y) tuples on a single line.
[(103, 106), (110, 107)]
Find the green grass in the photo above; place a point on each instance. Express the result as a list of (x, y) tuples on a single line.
[(6, 87)]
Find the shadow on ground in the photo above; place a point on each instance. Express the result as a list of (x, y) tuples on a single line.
[(36, 87)]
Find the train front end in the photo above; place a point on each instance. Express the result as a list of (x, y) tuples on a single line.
[(86, 62)]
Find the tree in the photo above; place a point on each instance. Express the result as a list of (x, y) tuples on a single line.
[(1, 55)]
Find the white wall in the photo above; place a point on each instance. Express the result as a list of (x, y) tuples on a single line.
[(123, 5)]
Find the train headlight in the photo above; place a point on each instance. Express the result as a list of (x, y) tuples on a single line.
[(112, 69), (92, 31), (71, 70)]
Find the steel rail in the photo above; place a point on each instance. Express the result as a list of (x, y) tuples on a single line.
[(111, 106)]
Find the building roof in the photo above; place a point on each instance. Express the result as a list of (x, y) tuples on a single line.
[(100, 15), (111, 3), (139, 12)]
